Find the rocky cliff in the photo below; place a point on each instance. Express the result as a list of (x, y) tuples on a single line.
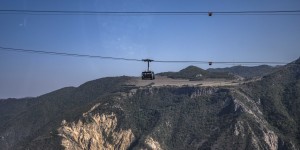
[(95, 132), (173, 118)]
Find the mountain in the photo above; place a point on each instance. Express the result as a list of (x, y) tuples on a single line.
[(246, 71), (110, 113), (195, 73), (279, 97)]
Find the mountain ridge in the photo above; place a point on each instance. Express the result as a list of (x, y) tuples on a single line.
[(195, 73), (108, 113), (247, 71)]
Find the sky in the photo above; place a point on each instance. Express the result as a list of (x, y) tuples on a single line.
[(159, 37)]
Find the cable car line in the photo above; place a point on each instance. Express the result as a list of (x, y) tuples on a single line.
[(209, 13), (65, 54), (219, 62), (180, 61), (132, 59)]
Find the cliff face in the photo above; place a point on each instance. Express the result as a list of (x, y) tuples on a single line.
[(95, 132), (172, 118)]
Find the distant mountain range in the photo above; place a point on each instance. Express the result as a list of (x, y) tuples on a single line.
[(195, 73), (246, 71), (108, 113)]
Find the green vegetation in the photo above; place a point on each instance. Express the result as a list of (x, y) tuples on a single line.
[(174, 118), (279, 95)]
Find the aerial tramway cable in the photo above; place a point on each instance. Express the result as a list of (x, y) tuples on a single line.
[(132, 59), (209, 13)]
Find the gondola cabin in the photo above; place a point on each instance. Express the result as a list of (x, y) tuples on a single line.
[(148, 75)]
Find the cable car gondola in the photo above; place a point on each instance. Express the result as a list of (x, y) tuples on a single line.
[(148, 74)]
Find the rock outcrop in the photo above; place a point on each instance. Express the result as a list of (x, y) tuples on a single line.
[(95, 132)]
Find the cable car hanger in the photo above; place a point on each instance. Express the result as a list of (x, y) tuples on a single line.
[(148, 74)]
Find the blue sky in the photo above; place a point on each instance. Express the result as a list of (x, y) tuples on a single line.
[(159, 37)]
